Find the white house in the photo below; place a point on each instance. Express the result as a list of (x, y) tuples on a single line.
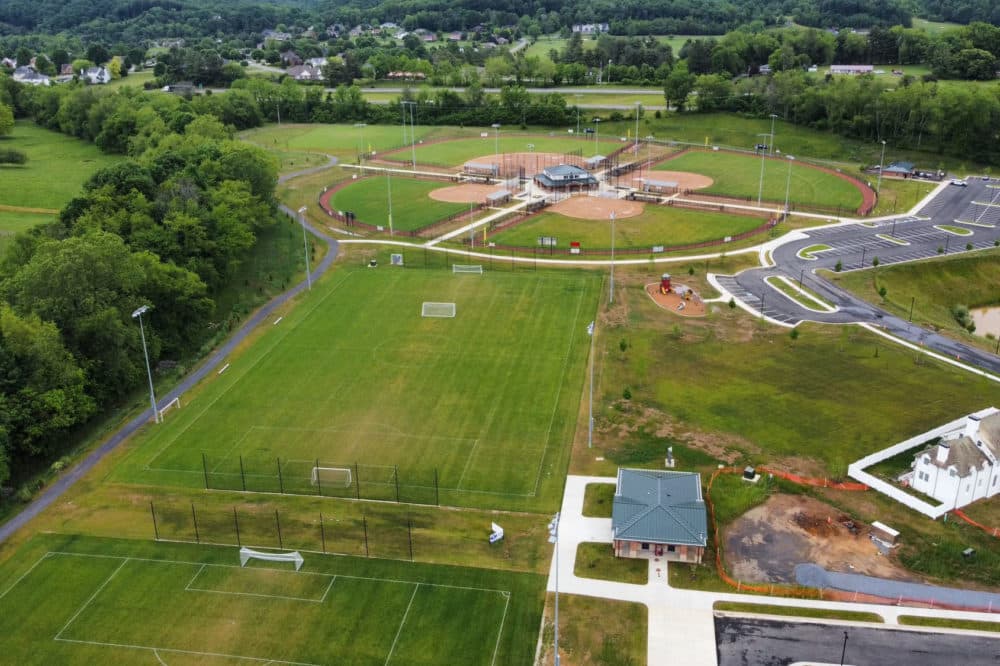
[(29, 75), (962, 467), (96, 75)]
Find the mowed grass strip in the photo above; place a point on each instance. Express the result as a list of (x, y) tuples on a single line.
[(458, 151), (473, 410), (57, 166), (106, 601), (657, 225), (412, 206), (739, 176)]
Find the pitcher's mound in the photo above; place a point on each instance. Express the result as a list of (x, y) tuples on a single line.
[(464, 193), (597, 208)]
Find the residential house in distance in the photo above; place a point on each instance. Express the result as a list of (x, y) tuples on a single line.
[(66, 70), (659, 514), (425, 35), (455, 36), (9, 63), (962, 467), (290, 59), (275, 35), (30, 76), (305, 73), (851, 69), (590, 28), (96, 76)]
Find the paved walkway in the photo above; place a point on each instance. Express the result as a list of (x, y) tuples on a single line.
[(681, 622)]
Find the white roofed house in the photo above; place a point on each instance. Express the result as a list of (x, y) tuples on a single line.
[(962, 467), (30, 76), (96, 75)]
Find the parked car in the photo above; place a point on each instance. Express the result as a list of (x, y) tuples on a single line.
[(959, 182)]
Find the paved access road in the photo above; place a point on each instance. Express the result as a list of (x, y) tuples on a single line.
[(753, 641), (974, 209)]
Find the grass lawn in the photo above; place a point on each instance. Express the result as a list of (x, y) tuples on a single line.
[(739, 175), (412, 207), (135, 79), (74, 600), (57, 166), (470, 411), (933, 26), (766, 609), (932, 287), (948, 623), (899, 196), (335, 139), (658, 225), (597, 499), (459, 151), (596, 632), (597, 560), (12, 223)]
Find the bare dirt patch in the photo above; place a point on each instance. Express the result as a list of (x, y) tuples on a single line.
[(685, 180), (464, 193), (674, 302), (766, 543), (597, 208), (532, 163)]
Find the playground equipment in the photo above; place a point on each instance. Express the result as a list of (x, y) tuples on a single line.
[(665, 283)]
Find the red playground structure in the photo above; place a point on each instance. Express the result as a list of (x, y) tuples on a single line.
[(665, 283)]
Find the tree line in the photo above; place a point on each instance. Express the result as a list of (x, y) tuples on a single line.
[(167, 226)]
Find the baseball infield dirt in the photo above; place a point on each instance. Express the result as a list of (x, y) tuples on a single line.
[(464, 193), (685, 179), (597, 208)]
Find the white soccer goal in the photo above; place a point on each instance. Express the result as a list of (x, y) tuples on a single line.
[(332, 476), (437, 310), (246, 554), (460, 268), (176, 402)]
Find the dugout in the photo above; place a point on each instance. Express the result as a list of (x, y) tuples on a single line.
[(565, 178), (660, 186), (595, 162), (498, 197), (481, 169)]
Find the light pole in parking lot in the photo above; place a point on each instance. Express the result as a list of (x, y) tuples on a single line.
[(788, 182), (881, 164), (760, 188), (843, 652), (305, 245)]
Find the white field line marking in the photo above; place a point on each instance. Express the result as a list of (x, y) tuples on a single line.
[(308, 573), (279, 339), (468, 461), (562, 381), (158, 658), (195, 577), (503, 619), (232, 448), (328, 588), (179, 651), (277, 321), (223, 369), (92, 597), (24, 575), (401, 623), (254, 594)]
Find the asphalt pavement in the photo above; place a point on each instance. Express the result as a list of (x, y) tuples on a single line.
[(958, 220), (746, 641)]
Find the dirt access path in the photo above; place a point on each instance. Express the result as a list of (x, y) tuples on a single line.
[(766, 543)]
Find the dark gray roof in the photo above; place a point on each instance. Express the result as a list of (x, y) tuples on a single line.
[(565, 174), (900, 167), (659, 507)]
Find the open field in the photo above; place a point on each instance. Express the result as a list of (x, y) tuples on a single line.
[(898, 196), (657, 225), (468, 411), (413, 208), (459, 151), (335, 139), (135, 79), (739, 175), (83, 601), (596, 632), (933, 288), (933, 26), (12, 223), (57, 166)]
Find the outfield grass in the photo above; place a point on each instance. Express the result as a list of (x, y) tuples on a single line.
[(739, 175), (932, 288), (459, 151), (657, 225), (57, 166), (412, 206), (335, 139), (84, 601), (470, 411)]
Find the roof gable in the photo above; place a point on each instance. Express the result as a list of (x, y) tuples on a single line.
[(659, 507)]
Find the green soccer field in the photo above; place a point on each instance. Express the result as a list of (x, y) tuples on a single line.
[(475, 410), (412, 206), (739, 175), (87, 601), (333, 138), (657, 225), (458, 151)]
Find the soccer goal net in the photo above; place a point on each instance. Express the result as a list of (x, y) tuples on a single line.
[(246, 554), (460, 268), (332, 476), (438, 310)]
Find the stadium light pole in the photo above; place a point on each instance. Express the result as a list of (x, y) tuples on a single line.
[(413, 133), (305, 245), (771, 145), (554, 539), (388, 185), (597, 133), (611, 291), (760, 187), (496, 145), (590, 414), (578, 96), (788, 181), (362, 126), (881, 165), (637, 107), (137, 314)]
